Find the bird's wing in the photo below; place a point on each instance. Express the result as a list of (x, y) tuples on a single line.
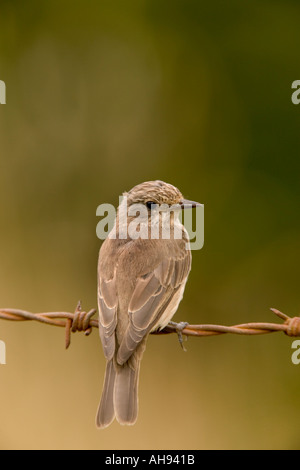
[(152, 296), (107, 304)]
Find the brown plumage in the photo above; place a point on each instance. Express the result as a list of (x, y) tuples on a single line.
[(140, 285)]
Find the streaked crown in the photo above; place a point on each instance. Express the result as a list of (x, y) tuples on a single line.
[(157, 192)]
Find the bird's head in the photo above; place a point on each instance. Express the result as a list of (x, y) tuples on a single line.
[(152, 193)]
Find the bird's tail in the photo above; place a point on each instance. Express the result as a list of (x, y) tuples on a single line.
[(120, 394), (106, 410)]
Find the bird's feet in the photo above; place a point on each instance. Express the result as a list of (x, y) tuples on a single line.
[(179, 327)]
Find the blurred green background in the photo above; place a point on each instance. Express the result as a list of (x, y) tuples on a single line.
[(101, 96)]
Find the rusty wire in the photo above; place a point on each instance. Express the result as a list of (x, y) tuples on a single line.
[(72, 322), (83, 321)]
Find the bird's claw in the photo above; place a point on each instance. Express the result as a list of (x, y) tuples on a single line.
[(179, 327)]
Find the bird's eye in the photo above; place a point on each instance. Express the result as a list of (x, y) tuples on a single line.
[(150, 204)]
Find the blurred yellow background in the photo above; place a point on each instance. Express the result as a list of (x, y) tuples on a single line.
[(101, 96)]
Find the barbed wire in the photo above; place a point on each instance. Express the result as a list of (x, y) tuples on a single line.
[(83, 321)]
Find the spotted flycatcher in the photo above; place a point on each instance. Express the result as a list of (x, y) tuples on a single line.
[(140, 284)]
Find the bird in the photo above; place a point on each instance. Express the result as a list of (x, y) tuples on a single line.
[(141, 281)]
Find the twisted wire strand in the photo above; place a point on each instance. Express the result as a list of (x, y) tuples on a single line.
[(83, 321)]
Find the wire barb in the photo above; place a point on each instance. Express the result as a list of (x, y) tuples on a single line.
[(79, 322), (83, 321), (72, 322)]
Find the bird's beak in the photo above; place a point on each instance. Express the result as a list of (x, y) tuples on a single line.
[(186, 204)]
